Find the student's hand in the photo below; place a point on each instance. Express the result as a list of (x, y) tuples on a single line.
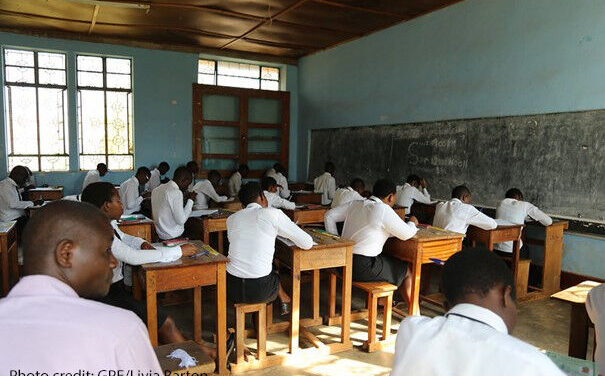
[(188, 249), (191, 195), (38, 202), (414, 220), (147, 246)]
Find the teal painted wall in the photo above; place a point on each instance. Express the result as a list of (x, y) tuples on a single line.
[(477, 58)]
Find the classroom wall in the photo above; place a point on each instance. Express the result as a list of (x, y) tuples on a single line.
[(477, 58)]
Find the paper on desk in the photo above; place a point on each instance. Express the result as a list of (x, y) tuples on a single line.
[(289, 242), (571, 366), (132, 216), (302, 191), (45, 189), (201, 213)]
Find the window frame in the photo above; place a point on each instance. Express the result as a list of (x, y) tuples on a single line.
[(260, 77)]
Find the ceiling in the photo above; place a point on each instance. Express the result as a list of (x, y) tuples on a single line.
[(273, 30)]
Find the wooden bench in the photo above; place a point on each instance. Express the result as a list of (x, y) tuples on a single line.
[(376, 291)]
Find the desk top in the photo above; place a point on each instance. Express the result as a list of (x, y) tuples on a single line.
[(555, 222), (435, 233), (576, 294), (309, 207), (322, 240), (137, 219), (211, 258)]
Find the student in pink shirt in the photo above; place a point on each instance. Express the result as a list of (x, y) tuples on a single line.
[(49, 321)]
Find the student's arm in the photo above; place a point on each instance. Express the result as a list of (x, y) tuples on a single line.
[(279, 202), (481, 220), (209, 191), (423, 197), (132, 200), (396, 226), (134, 352), (136, 256), (179, 213), (289, 230), (331, 188), (539, 216), (232, 187), (335, 215), (131, 241), (15, 203)]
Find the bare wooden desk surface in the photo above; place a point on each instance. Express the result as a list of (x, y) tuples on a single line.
[(8, 256), (576, 294)]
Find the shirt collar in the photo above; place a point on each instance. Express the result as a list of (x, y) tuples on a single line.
[(253, 205), (477, 313), (327, 173), (41, 285), (456, 200), (376, 199), (407, 185), (173, 184)]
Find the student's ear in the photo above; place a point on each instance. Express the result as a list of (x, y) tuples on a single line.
[(105, 207), (507, 297), (64, 253), (390, 199)]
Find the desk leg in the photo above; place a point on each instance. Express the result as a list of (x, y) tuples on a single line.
[(515, 265), (578, 331), (316, 295), (5, 269), (152, 315), (206, 235), (295, 314), (220, 241), (221, 319), (347, 277), (414, 305), (197, 314)]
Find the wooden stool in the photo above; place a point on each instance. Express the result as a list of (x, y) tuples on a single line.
[(375, 291), (170, 366)]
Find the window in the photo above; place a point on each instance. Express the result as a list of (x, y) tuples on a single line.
[(105, 112), (249, 76), (35, 108)]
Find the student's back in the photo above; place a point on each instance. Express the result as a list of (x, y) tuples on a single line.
[(515, 211), (457, 214)]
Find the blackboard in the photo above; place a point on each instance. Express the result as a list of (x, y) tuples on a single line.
[(557, 160)]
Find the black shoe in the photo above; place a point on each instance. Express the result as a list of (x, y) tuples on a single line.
[(284, 308), (230, 344)]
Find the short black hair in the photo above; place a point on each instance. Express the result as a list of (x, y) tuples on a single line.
[(267, 182), (474, 271), (101, 166), (329, 167), (243, 167), (514, 193), (164, 165), (278, 167), (460, 191), (98, 193), (358, 184), (249, 192), (180, 173), (413, 178), (383, 188), (192, 166), (143, 170), (214, 175)]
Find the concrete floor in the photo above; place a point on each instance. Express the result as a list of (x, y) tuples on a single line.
[(543, 323)]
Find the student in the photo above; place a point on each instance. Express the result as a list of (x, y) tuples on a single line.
[(157, 176), (12, 207), (252, 232), (457, 214), (193, 169), (206, 190), (53, 323), (31, 181), (132, 191), (369, 223), (94, 176), (278, 172), (472, 339), (326, 184), (351, 193), (269, 186), (413, 190), (235, 181), (513, 209), (169, 213), (595, 306)]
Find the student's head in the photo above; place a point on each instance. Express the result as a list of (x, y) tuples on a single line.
[(478, 276), (71, 241), (214, 177), (182, 177), (102, 168), (269, 184), (143, 174), (20, 175), (252, 192), (413, 180), (329, 167), (243, 170), (163, 168), (193, 167), (514, 193), (278, 167), (385, 190), (358, 185), (104, 196), (462, 193)]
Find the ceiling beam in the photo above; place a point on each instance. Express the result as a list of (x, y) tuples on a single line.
[(95, 13), (361, 9)]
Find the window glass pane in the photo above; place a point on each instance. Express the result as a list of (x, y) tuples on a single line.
[(19, 57), (260, 164), (219, 164), (90, 63), (118, 65), (268, 73), (90, 162), (23, 120), (206, 79), (262, 110), (248, 83), (51, 77), (50, 60), (90, 79), (55, 163), (18, 74), (118, 81), (220, 140), (52, 126), (220, 107), (117, 123), (92, 121), (206, 66), (31, 162), (269, 85), (237, 69), (121, 162)]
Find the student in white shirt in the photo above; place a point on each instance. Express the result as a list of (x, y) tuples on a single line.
[(472, 339), (157, 176), (169, 213), (369, 223), (514, 210), (94, 176), (457, 214), (270, 189), (132, 190), (595, 306), (326, 184), (206, 191), (278, 172), (351, 193), (193, 168), (235, 181), (252, 232), (413, 190), (12, 206), (50, 317)]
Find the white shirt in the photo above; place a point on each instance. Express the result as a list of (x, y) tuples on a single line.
[(169, 215), (205, 191), (369, 223), (235, 183), (477, 344), (281, 180), (595, 306), (454, 215), (252, 232), (11, 205), (326, 185), (345, 195), (92, 176), (53, 330), (275, 201), (127, 248), (515, 211), (407, 194), (155, 179), (129, 195)]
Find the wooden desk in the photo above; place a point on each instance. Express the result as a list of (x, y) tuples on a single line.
[(426, 244), (424, 212), (202, 227), (300, 186), (579, 322), (46, 194), (306, 216), (140, 228), (306, 197), (330, 252), (8, 256), (187, 273)]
